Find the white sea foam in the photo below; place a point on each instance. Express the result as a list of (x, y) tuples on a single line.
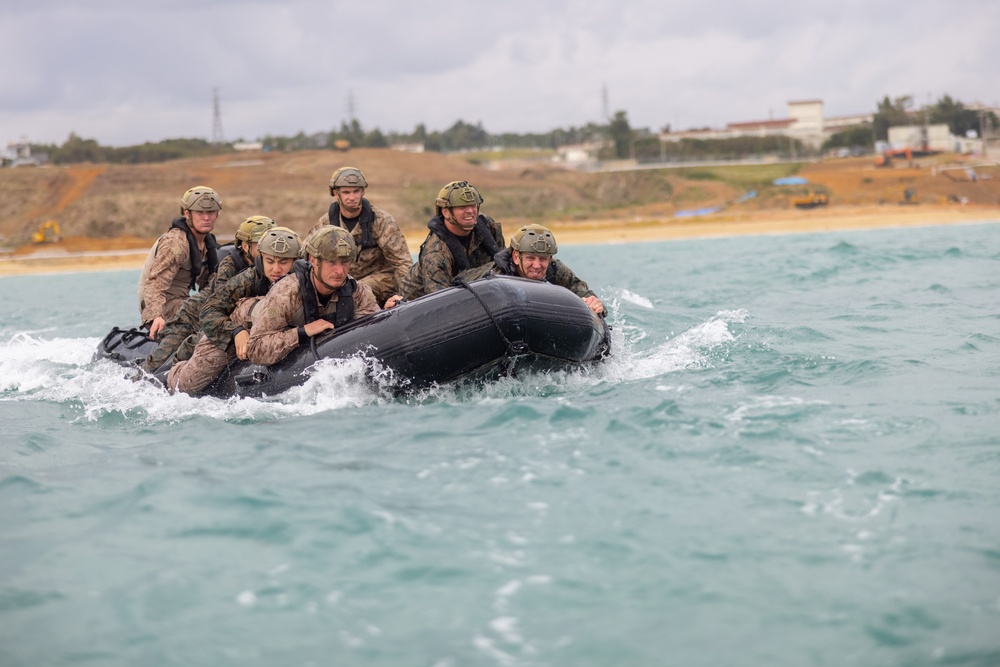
[(638, 300)]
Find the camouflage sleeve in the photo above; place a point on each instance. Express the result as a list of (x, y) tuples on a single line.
[(364, 301), (476, 272), (226, 270), (273, 334), (564, 277), (215, 315), (436, 264), (323, 222), (171, 251), (391, 241)]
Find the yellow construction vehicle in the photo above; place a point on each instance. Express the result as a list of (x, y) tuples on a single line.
[(48, 232), (811, 199)]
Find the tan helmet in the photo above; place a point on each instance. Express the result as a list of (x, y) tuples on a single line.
[(347, 177), (280, 242), (534, 240), (458, 193), (253, 228), (201, 198), (333, 244)]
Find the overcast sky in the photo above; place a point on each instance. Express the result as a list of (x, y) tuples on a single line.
[(128, 72)]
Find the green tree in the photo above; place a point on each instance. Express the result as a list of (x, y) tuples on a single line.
[(620, 133), (890, 114)]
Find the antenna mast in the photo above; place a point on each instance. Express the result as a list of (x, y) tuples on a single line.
[(217, 137)]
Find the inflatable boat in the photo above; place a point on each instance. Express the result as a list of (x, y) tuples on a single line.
[(485, 329)]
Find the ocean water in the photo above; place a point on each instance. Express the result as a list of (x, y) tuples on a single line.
[(793, 458)]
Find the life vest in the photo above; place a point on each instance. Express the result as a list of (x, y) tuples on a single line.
[(261, 284), (310, 299), (367, 222), (458, 253), (211, 247)]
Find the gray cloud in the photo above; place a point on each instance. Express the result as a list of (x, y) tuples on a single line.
[(125, 73)]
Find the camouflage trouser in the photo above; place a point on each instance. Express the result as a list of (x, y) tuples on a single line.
[(196, 373), (174, 341)]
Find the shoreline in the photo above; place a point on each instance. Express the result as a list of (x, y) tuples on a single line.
[(720, 225)]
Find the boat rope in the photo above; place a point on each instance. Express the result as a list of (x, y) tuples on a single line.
[(514, 348)]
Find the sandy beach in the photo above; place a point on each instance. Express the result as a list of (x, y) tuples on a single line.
[(68, 257)]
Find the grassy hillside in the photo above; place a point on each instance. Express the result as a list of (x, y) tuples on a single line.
[(115, 201)]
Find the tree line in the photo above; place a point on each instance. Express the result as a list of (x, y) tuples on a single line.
[(620, 139)]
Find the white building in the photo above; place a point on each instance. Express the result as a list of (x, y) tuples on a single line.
[(805, 122)]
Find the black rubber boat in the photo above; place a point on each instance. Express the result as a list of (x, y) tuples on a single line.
[(480, 330)]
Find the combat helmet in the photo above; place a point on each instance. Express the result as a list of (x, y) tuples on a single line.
[(333, 244), (280, 242), (458, 193), (534, 239), (347, 177), (253, 228), (201, 198)]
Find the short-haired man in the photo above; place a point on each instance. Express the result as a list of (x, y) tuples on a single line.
[(531, 255), (227, 316), (179, 336), (182, 259), (460, 238), (318, 295), (384, 257)]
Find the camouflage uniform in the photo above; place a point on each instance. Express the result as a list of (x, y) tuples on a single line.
[(278, 316), (435, 268), (382, 268), (179, 336), (557, 273), (166, 276), (208, 360)]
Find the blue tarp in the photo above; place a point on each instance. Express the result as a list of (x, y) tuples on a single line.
[(790, 180)]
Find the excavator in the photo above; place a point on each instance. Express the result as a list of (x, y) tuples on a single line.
[(811, 199), (48, 232)]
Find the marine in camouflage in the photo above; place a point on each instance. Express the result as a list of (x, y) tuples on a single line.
[(278, 316)]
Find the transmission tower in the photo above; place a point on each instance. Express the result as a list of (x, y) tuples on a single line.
[(604, 102), (350, 105), (217, 137)]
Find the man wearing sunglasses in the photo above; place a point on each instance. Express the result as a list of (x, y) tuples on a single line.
[(460, 238)]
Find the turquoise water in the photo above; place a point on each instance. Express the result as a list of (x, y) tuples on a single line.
[(793, 459)]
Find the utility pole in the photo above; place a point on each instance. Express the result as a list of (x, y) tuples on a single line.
[(217, 136), (604, 103), (350, 105)]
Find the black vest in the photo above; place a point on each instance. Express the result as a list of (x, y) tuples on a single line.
[(210, 246), (310, 299), (261, 284), (367, 222), (458, 253)]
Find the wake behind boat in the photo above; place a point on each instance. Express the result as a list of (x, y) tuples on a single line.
[(487, 328)]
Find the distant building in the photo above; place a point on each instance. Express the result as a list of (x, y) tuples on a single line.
[(579, 153), (18, 154), (408, 148), (248, 146), (805, 122), (932, 138)]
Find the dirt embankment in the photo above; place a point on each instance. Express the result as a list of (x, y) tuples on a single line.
[(115, 208)]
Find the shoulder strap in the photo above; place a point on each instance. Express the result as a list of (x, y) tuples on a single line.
[(211, 246), (261, 284), (345, 302), (459, 257), (310, 302), (367, 222)]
